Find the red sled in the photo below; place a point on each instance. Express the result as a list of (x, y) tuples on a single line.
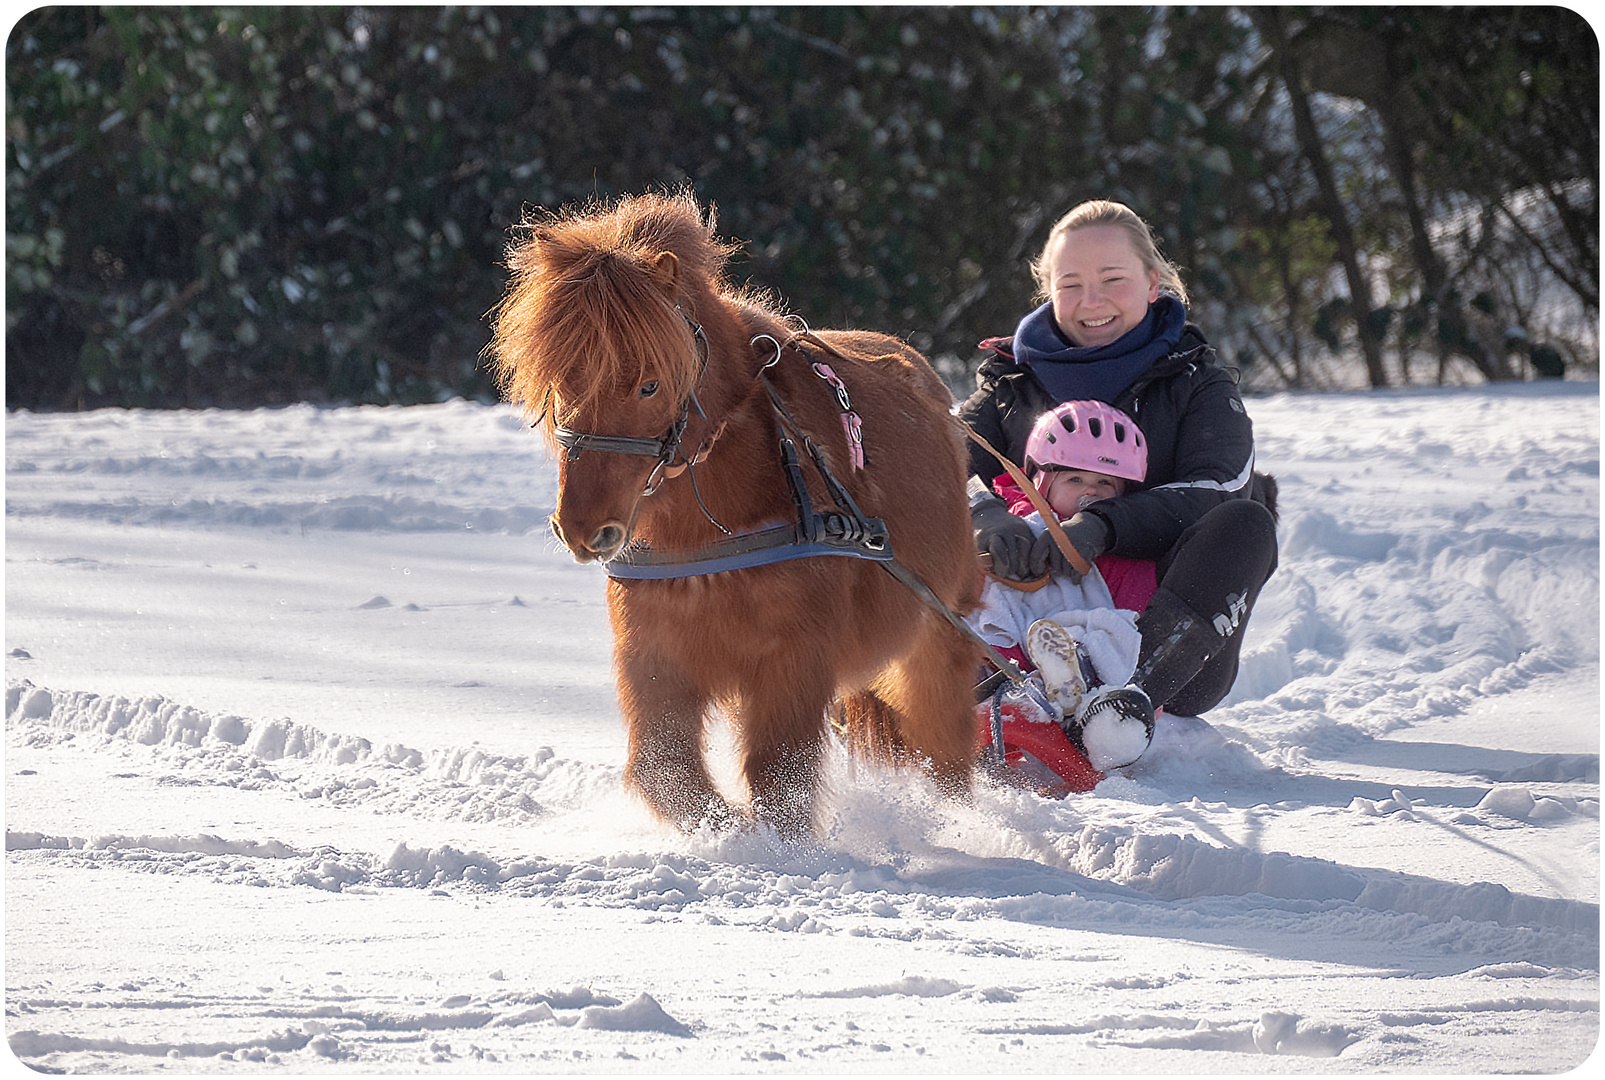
[(1036, 753)]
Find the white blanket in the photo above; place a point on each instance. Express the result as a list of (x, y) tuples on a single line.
[(1087, 611)]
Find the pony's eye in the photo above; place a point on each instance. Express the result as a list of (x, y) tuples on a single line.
[(649, 388)]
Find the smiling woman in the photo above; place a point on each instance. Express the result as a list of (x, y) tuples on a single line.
[(1114, 329)]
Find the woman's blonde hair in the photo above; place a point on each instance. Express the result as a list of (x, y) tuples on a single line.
[(1105, 212)]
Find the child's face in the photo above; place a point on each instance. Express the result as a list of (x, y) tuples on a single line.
[(1068, 490)]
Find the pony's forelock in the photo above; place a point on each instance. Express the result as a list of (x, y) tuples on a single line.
[(588, 312)]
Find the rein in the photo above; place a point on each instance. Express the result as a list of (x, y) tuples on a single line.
[(1040, 505)]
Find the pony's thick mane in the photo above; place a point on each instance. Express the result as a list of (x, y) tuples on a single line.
[(590, 309)]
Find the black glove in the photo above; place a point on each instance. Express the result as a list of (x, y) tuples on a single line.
[(1087, 533), (1004, 535)]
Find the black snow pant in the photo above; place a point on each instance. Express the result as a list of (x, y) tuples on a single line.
[(1192, 631)]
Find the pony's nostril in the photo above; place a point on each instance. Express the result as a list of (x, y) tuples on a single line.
[(606, 539)]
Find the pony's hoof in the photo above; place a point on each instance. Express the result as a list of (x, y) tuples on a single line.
[(719, 818), (786, 809)]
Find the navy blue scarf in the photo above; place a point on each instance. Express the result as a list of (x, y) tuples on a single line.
[(1097, 372)]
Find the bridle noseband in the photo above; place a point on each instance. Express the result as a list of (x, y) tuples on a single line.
[(665, 448)]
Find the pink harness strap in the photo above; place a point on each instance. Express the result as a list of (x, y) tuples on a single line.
[(852, 424)]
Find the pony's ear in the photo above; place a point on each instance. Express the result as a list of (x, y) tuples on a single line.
[(525, 254), (666, 272)]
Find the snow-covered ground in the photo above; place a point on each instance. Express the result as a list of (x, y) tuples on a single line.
[(312, 763)]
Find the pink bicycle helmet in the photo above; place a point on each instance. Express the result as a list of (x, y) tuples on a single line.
[(1087, 435)]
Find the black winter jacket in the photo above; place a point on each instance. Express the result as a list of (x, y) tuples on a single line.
[(1200, 439)]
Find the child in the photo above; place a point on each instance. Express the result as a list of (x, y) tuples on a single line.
[(1076, 629)]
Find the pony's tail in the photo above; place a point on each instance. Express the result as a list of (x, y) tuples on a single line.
[(870, 728)]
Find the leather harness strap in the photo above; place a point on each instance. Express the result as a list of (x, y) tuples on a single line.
[(845, 531)]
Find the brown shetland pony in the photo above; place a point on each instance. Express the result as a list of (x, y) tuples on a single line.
[(595, 335)]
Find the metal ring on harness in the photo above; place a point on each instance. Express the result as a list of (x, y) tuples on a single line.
[(773, 360)]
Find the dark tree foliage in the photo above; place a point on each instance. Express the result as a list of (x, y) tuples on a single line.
[(1486, 114), (239, 206)]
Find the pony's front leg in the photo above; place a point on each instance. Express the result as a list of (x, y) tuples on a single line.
[(665, 720), (782, 728)]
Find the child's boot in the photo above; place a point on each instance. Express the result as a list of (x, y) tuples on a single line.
[(1114, 727), (1116, 724), (1058, 661)]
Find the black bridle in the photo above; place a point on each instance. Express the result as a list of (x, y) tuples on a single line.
[(665, 448)]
